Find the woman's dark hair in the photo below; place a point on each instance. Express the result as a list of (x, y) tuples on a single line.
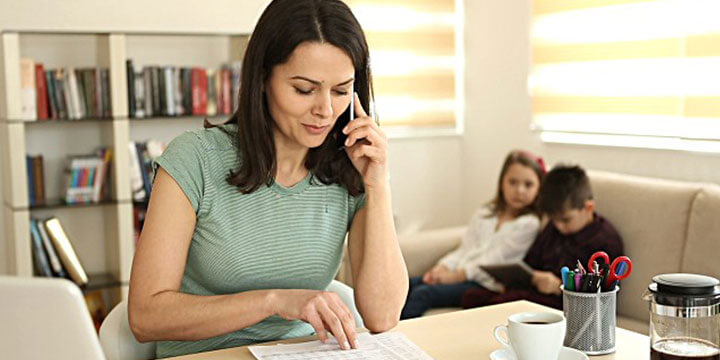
[(283, 26), (498, 204)]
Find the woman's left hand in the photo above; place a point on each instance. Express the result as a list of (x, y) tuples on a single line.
[(367, 148)]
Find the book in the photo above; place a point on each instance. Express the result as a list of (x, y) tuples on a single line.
[(65, 250), (40, 260), (78, 105), (39, 179), (145, 167), (29, 167), (68, 96), (50, 85), (187, 97), (518, 274), (199, 91), (136, 179), (98, 95), (28, 98), (147, 82), (179, 108), (169, 90), (88, 85), (55, 263), (155, 86), (130, 70), (211, 108), (41, 92), (99, 177), (226, 91), (139, 91), (106, 189), (62, 101), (106, 93)]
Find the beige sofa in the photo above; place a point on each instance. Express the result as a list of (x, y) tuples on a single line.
[(667, 226)]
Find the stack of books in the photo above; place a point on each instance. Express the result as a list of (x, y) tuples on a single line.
[(64, 93), (180, 91), (87, 177)]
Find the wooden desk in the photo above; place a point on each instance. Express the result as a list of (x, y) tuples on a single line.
[(462, 335)]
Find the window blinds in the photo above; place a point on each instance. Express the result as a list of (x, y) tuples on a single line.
[(414, 58), (634, 68)]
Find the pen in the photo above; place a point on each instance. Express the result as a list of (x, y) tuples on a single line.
[(582, 269), (585, 285), (571, 281), (578, 281)]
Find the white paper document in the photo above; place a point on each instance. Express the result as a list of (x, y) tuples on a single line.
[(386, 346)]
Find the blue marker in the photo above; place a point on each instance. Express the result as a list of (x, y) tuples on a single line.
[(565, 274)]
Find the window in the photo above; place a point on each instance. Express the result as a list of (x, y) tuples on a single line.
[(637, 73), (416, 58)]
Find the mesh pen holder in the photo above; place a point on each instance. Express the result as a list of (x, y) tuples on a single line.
[(590, 321)]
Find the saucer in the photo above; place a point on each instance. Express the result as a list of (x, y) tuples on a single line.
[(566, 353)]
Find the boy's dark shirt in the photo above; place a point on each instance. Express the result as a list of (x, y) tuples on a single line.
[(550, 252)]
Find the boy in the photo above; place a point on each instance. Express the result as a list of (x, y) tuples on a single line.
[(574, 233)]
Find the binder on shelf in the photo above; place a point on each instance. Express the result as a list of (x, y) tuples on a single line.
[(65, 251)]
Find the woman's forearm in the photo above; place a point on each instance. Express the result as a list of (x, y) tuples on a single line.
[(382, 282), (172, 315)]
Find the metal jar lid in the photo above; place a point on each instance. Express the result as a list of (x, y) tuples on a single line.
[(685, 295)]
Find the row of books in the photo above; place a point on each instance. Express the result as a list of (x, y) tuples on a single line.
[(87, 177), (63, 93), (36, 179), (176, 91), (53, 253), (141, 173)]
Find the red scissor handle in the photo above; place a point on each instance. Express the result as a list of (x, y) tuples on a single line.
[(595, 256), (613, 276)]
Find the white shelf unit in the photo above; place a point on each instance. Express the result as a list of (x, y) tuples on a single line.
[(102, 234)]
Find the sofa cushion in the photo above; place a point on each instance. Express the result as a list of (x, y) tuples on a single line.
[(703, 238), (422, 250), (652, 217)]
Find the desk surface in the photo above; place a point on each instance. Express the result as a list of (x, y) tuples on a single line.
[(463, 334)]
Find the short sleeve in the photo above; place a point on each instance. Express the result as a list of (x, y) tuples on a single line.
[(183, 160), (354, 205)]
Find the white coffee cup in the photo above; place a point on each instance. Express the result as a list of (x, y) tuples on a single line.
[(533, 335)]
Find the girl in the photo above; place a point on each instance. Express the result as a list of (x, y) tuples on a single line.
[(246, 221), (500, 232)]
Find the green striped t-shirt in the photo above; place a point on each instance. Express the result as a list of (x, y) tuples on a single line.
[(273, 238)]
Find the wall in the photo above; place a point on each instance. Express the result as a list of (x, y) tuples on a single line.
[(498, 111)]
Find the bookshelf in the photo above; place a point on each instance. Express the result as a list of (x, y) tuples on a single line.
[(102, 233)]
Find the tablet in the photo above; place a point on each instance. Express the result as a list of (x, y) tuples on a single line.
[(517, 274)]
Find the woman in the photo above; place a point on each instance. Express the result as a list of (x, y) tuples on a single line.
[(246, 222)]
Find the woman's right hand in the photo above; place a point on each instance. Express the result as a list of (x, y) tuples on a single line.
[(324, 310)]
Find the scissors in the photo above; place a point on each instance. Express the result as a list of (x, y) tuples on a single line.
[(618, 270)]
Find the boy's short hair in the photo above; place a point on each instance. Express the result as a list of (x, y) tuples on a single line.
[(564, 188)]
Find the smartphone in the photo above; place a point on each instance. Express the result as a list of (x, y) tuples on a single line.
[(344, 119)]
